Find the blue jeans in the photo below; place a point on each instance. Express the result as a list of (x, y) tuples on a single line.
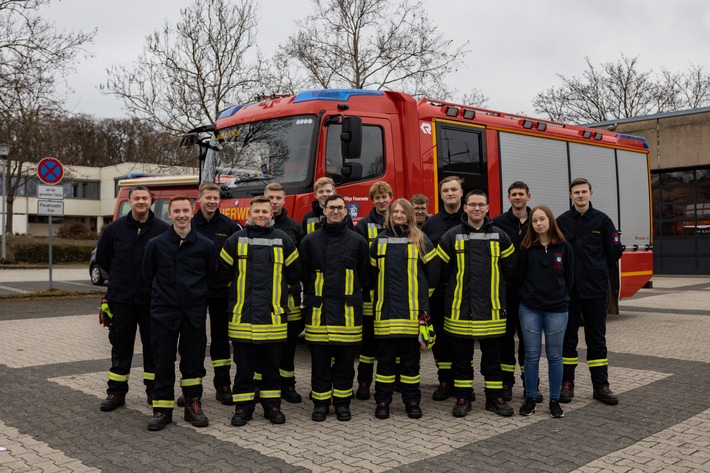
[(533, 323)]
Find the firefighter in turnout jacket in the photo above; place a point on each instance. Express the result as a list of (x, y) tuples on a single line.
[(404, 265), (179, 266), (312, 221), (369, 227), (120, 253), (276, 194), (262, 264), (335, 268), (476, 257)]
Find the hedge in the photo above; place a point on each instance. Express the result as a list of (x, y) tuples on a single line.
[(36, 251)]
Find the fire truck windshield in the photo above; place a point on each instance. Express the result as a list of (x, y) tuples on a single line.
[(280, 149)]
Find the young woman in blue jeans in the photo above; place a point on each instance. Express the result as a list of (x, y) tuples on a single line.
[(545, 276)]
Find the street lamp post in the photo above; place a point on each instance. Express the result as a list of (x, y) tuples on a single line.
[(4, 153)]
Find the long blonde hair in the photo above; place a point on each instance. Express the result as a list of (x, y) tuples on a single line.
[(416, 236)]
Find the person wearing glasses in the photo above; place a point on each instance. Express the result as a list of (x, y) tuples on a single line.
[(335, 265), (420, 203), (404, 265), (369, 227), (322, 189), (449, 216), (476, 257)]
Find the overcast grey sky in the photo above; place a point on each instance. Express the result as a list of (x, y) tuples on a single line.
[(517, 46)]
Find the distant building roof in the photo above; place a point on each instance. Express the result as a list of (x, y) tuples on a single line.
[(677, 113)]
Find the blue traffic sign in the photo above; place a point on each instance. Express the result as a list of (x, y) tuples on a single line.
[(50, 171)]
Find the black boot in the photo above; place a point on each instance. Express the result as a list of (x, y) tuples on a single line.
[(159, 420), (194, 414)]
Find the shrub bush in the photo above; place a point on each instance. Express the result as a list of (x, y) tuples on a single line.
[(30, 250), (76, 230)]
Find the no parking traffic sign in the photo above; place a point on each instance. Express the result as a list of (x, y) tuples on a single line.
[(50, 171)]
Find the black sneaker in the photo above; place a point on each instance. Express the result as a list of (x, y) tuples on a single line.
[(289, 394), (342, 413), (382, 411), (567, 392), (194, 414), (159, 420), (241, 417), (444, 391), (181, 401), (462, 407), (224, 395), (363, 391), (507, 392), (275, 416), (528, 407), (556, 411), (320, 412), (413, 410), (605, 395), (113, 402), (499, 406)]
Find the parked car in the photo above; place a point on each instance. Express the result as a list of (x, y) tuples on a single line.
[(98, 276)]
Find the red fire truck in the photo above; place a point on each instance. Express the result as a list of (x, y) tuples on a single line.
[(359, 136)]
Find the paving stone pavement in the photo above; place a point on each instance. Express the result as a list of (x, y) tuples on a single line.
[(54, 360)]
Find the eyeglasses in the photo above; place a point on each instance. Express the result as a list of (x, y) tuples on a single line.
[(473, 206), (420, 209), (335, 208)]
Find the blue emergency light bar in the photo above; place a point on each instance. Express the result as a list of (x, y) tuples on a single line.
[(633, 137), (231, 111), (340, 95)]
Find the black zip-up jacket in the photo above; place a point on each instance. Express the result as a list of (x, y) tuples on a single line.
[(314, 219), (120, 253), (474, 263), (261, 263), (402, 278), (180, 272), (442, 222), (335, 264), (515, 230), (434, 228), (371, 225), (546, 276), (289, 226), (596, 246), (217, 229)]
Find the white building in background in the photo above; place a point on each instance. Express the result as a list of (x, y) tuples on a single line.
[(89, 195)]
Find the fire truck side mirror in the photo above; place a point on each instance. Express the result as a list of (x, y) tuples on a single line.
[(351, 138), (188, 140)]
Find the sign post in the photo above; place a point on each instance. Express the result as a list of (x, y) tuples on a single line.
[(50, 171)]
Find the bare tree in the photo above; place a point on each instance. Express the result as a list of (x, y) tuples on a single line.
[(190, 72), (374, 44), (34, 55), (620, 90)]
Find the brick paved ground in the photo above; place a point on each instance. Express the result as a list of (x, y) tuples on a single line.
[(54, 359)]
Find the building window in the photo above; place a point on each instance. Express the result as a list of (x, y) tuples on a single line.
[(681, 203)]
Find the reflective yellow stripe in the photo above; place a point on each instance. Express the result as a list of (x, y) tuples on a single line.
[(121, 378), (258, 332), (240, 286), (191, 382), (287, 374), (277, 281), (430, 256), (372, 232), (243, 397), (366, 359), (442, 254), (322, 396), (257, 376), (463, 383), (318, 289), (443, 365), (413, 279), (495, 277), (333, 333), (493, 384), (598, 363), (148, 376), (381, 252), (570, 361), (224, 254), (292, 257), (222, 362), (397, 327), (475, 328), (459, 247), (507, 368), (409, 379), (380, 378), (163, 404), (342, 392), (272, 394)]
